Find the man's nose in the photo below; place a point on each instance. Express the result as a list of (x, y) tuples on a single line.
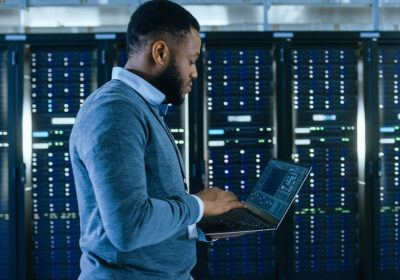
[(193, 74)]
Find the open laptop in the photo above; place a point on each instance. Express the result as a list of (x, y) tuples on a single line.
[(266, 205)]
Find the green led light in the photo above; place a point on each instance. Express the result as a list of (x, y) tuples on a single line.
[(236, 141), (237, 129), (261, 141), (322, 139), (317, 128)]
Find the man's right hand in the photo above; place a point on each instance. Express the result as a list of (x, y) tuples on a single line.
[(217, 201)]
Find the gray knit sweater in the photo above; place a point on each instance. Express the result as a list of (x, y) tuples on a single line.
[(134, 212)]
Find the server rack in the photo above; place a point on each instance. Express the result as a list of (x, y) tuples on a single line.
[(62, 76), (239, 139), (325, 86), (387, 190)]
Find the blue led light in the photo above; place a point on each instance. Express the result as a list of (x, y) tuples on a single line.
[(41, 134), (216, 132), (387, 129)]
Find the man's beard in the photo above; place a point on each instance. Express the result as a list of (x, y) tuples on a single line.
[(170, 83)]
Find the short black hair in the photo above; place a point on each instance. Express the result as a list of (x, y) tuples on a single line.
[(158, 17)]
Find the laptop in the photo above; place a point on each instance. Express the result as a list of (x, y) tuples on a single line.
[(267, 204)]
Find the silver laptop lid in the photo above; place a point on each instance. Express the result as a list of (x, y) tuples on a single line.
[(276, 189)]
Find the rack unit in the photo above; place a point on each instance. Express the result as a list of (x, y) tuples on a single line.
[(239, 122)]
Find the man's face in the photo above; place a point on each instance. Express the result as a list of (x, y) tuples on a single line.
[(176, 80)]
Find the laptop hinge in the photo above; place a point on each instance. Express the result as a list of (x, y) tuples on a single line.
[(261, 213)]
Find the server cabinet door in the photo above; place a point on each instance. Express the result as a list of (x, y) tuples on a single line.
[(239, 126), (61, 79), (325, 101)]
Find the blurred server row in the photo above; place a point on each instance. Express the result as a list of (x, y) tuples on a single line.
[(297, 96)]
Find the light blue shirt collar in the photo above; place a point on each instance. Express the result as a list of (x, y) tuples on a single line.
[(147, 90)]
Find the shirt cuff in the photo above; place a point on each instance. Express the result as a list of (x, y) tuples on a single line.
[(202, 237), (192, 231), (201, 207)]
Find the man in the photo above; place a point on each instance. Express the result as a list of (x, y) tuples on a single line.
[(137, 220)]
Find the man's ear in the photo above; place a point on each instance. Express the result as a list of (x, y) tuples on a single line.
[(160, 53)]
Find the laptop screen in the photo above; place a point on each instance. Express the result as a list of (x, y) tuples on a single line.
[(277, 187)]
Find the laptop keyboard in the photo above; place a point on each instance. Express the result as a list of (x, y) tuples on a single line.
[(241, 218)]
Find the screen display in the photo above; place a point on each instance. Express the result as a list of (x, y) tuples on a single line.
[(277, 187)]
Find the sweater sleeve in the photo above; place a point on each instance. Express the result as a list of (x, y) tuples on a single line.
[(112, 148)]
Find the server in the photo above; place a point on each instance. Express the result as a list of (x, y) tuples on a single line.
[(389, 110), (324, 87), (61, 79), (4, 205), (239, 122)]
